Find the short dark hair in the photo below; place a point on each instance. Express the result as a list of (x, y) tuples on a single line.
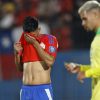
[(30, 24)]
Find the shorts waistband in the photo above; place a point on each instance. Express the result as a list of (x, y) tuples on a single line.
[(38, 85)]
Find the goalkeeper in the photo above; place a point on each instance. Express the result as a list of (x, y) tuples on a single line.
[(90, 16)]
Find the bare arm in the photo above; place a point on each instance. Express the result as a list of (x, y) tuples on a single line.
[(48, 59), (17, 48)]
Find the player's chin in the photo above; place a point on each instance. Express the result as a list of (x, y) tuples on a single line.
[(87, 29)]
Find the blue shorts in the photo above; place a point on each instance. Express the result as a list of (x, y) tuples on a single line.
[(36, 92)]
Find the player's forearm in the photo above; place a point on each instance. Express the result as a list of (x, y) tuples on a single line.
[(18, 63), (48, 59)]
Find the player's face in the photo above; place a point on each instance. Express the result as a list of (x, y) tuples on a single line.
[(88, 20)]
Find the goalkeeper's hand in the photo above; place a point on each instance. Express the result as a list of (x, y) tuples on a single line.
[(72, 67)]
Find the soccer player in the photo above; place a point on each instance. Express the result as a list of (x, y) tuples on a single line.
[(90, 15), (34, 55)]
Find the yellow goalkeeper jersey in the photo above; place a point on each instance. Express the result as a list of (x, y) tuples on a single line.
[(93, 70)]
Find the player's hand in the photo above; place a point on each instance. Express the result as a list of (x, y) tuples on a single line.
[(81, 76), (72, 67), (18, 47), (29, 38)]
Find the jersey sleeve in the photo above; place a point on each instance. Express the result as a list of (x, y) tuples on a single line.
[(93, 72), (90, 72), (52, 46), (84, 67)]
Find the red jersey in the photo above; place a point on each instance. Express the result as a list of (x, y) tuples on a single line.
[(47, 42)]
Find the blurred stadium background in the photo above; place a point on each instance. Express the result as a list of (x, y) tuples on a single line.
[(59, 18)]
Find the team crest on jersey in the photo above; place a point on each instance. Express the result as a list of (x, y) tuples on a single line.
[(52, 49)]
